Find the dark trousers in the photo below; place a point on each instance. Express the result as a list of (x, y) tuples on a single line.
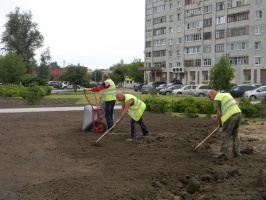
[(109, 112), (143, 127)]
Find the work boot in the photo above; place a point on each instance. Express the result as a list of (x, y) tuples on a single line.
[(219, 156), (146, 134), (131, 140), (235, 155)]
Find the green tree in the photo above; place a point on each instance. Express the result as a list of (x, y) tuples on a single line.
[(96, 75), (119, 71), (21, 36), (221, 74), (76, 75), (43, 70), (12, 68), (134, 72)]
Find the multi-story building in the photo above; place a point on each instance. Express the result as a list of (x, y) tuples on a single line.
[(185, 38)]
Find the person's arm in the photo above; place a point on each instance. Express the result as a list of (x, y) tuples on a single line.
[(125, 108), (218, 114)]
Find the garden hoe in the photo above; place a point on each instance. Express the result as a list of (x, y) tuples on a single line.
[(99, 144), (207, 137)]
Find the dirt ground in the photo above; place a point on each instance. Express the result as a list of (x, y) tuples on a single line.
[(46, 156)]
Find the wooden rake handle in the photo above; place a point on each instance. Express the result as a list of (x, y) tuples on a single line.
[(207, 137), (106, 132)]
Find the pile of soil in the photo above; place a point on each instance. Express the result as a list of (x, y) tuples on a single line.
[(45, 155)]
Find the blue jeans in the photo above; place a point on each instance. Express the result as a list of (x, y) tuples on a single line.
[(133, 128), (109, 111)]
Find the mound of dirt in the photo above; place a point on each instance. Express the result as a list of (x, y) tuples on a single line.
[(45, 155)]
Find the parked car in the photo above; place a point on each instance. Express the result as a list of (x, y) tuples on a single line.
[(238, 91), (57, 85), (201, 90), (51, 83), (161, 86), (137, 86), (185, 90), (150, 87), (168, 90), (258, 93), (67, 85)]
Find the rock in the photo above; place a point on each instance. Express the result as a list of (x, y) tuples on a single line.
[(206, 177), (234, 172), (192, 186), (247, 150)]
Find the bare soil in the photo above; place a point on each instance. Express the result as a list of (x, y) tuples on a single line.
[(46, 156)]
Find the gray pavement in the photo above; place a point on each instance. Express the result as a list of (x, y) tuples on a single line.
[(48, 109)]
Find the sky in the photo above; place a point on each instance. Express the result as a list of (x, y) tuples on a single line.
[(93, 33)]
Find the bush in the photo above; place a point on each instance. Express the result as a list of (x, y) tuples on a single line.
[(10, 90), (157, 105), (27, 80), (34, 93), (248, 109)]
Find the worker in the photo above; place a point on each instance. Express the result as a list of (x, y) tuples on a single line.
[(229, 117), (135, 109), (108, 89)]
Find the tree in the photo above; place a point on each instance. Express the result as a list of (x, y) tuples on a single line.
[(76, 75), (12, 68), (43, 70), (96, 75), (221, 75), (21, 36), (134, 72)]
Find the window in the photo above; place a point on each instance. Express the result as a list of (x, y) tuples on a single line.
[(194, 37), (257, 45), (207, 9), (238, 31), (179, 40), (238, 17), (257, 30), (258, 14), (148, 43), (220, 20), (219, 48), (257, 60), (220, 6), (193, 12), (159, 42), (178, 28), (148, 54), (238, 46), (170, 41), (159, 8), (148, 33), (207, 62), (194, 24), (171, 30), (193, 50), (178, 64), (159, 20), (159, 31), (171, 18), (238, 3), (207, 36), (159, 53), (198, 63), (170, 53), (178, 52), (148, 1), (178, 16), (239, 60), (207, 22), (207, 49), (148, 22), (188, 63), (170, 65), (219, 34), (159, 64), (149, 11)]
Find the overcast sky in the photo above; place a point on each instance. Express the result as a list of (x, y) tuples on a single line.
[(93, 33)]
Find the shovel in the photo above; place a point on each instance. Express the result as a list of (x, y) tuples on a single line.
[(96, 142), (207, 137)]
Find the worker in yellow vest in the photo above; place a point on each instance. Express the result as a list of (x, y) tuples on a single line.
[(135, 108), (108, 89), (229, 117)]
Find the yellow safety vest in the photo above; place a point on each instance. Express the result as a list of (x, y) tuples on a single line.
[(229, 106), (109, 93), (137, 109)]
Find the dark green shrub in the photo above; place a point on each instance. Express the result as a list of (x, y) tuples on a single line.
[(248, 109), (33, 93), (27, 80), (157, 105)]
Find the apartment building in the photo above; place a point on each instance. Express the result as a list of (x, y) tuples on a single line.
[(185, 38)]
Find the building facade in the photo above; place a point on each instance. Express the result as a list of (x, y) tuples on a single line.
[(185, 38)]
